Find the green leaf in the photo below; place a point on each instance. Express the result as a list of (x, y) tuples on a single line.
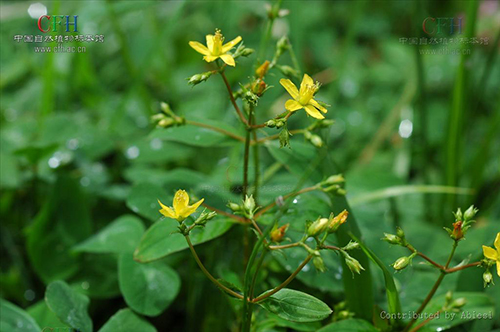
[(120, 236), (147, 288), (296, 306), (296, 159), (160, 241), (393, 303), (44, 316), (349, 325), (126, 321), (68, 305), (476, 304), (63, 222), (143, 199), (13, 318)]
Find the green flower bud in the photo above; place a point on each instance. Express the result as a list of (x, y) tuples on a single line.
[(247, 51), (165, 123), (334, 179), (317, 227), (351, 246), (198, 78), (391, 238), (284, 136), (459, 303), (271, 123), (488, 278), (458, 215), (289, 71), (402, 263), (234, 207), (316, 141), (470, 213), (400, 232), (319, 264), (249, 206), (280, 123), (352, 263), (251, 98)]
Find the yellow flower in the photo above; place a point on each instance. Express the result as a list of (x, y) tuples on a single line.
[(303, 98), (493, 254), (215, 49), (181, 210)]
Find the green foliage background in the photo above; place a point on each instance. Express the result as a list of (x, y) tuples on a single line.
[(79, 157)]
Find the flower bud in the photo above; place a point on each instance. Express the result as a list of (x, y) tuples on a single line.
[(247, 51), (281, 46), (262, 70), (166, 122), (278, 234), (457, 233), (458, 215), (251, 98), (271, 123), (352, 263), (259, 87), (289, 71), (249, 206), (401, 263), (338, 220), (459, 303), (165, 107), (334, 179), (391, 238), (198, 78), (316, 141), (234, 207), (280, 123), (487, 278), (205, 217), (284, 136), (400, 232), (449, 297), (470, 213), (317, 227), (319, 264), (351, 246)]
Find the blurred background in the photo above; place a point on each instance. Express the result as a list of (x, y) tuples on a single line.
[(416, 134)]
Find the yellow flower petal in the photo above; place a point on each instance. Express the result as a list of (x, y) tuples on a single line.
[(293, 105), (210, 58), (166, 211), (191, 209), (306, 80), (200, 48), (231, 44), (210, 43), (490, 253), (227, 58), (181, 200), (312, 111), (317, 105), (290, 87), (497, 243), (498, 268)]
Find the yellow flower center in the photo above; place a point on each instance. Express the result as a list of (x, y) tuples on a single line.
[(218, 40), (307, 93)]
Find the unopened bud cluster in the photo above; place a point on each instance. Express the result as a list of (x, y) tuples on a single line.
[(334, 185), (167, 118), (463, 221)]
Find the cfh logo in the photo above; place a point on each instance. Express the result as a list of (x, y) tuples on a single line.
[(441, 25), (52, 22)]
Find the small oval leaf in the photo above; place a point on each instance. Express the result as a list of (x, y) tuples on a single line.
[(296, 306), (147, 288), (125, 321), (68, 305)]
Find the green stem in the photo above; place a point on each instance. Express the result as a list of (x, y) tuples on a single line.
[(217, 129), (205, 271), (256, 159), (433, 290)]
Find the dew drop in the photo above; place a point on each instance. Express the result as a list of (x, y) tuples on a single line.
[(132, 152)]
